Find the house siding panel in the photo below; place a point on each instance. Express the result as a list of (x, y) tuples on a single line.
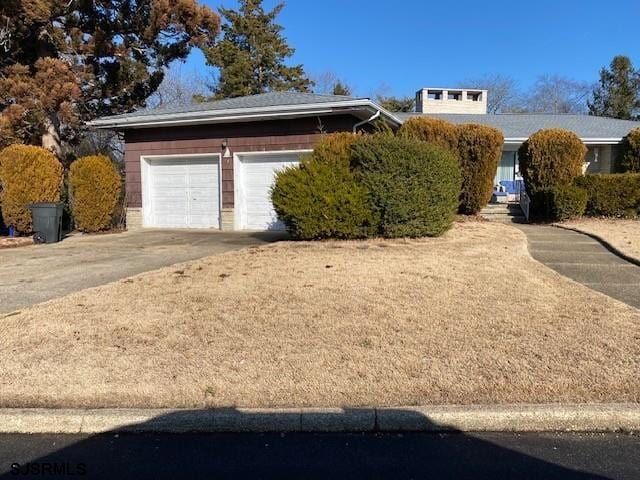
[(296, 134)]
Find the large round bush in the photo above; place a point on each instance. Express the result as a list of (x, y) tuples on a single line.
[(431, 130), (28, 174), (414, 185), (321, 198), (548, 159), (630, 152), (95, 186), (479, 151)]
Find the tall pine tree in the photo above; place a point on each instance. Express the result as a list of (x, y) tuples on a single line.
[(618, 92), (252, 53), (67, 61)]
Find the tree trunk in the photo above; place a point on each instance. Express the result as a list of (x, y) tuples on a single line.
[(51, 137)]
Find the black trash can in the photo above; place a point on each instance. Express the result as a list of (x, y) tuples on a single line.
[(47, 221)]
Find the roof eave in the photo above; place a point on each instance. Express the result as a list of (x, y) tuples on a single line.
[(240, 115)]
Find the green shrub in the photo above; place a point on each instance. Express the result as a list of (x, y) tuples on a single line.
[(479, 151), (414, 186), (95, 186), (28, 174), (630, 152), (431, 130), (321, 198), (567, 202), (548, 159), (612, 195)]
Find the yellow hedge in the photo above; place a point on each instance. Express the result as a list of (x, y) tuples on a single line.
[(335, 148), (28, 174), (479, 150), (95, 187), (551, 158), (431, 130)]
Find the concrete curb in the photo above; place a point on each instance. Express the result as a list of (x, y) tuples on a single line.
[(601, 240), (474, 418)]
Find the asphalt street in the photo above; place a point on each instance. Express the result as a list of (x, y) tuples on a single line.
[(278, 456)]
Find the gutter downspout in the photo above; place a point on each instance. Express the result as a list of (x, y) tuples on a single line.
[(364, 122)]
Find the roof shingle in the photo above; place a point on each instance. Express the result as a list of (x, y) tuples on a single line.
[(523, 125), (262, 100)]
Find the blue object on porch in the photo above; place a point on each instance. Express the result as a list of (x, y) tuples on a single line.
[(512, 186), (12, 232)]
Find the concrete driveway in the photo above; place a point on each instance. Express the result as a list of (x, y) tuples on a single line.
[(34, 274), (584, 260)]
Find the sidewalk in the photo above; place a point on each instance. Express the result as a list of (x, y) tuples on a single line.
[(429, 418), (584, 260)]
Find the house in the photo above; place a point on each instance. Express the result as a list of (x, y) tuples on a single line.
[(211, 165)]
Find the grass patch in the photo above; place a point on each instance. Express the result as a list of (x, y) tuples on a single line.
[(466, 318), (620, 233), (13, 242)]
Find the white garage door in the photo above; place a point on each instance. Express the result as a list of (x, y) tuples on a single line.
[(254, 177), (182, 192)]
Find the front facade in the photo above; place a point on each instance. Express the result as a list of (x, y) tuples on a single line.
[(213, 165), (214, 176)]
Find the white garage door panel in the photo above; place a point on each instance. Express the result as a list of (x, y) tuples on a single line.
[(183, 192), (256, 176)]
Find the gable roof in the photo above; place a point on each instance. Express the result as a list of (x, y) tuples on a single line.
[(517, 127), (261, 106)]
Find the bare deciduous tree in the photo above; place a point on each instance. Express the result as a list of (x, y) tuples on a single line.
[(179, 88), (329, 83), (96, 142), (504, 95), (557, 94)]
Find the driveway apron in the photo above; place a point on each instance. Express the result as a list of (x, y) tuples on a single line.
[(34, 274)]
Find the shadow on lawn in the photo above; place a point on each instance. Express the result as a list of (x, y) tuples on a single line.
[(128, 455)]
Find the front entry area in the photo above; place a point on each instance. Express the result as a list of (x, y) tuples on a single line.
[(254, 177), (181, 191)]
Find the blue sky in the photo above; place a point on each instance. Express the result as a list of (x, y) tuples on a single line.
[(408, 44)]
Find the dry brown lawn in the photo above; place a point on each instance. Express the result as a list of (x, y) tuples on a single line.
[(622, 234), (466, 318), (12, 242)]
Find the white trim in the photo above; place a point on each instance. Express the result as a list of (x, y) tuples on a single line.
[(585, 140), (209, 116), (214, 119), (144, 180), (237, 181)]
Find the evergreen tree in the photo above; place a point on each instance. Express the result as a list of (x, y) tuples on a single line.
[(67, 61), (341, 89), (618, 92), (251, 55), (396, 104)]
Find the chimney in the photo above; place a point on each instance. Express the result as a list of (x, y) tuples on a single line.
[(451, 100)]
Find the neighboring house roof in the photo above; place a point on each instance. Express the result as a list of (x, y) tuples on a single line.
[(517, 127), (262, 106)]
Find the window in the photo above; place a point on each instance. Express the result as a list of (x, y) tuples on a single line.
[(474, 96), (457, 96), (434, 94)]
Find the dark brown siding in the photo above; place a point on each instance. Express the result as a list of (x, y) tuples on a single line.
[(295, 134)]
